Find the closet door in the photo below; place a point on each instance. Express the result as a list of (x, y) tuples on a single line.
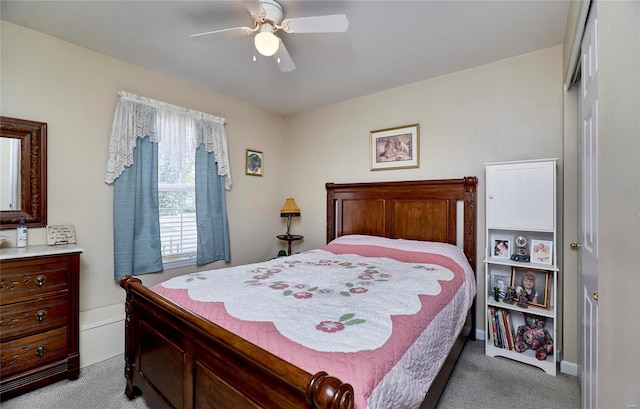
[(588, 214)]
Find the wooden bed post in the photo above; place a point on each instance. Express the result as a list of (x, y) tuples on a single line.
[(331, 233), (326, 391), (470, 214), (129, 347), (470, 221)]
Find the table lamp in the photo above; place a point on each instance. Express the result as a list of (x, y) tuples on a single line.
[(290, 209)]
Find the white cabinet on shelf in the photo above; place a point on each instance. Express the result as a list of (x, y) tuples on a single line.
[(521, 241)]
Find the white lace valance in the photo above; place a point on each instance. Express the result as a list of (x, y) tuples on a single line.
[(181, 131)]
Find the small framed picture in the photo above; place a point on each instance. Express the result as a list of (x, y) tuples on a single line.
[(541, 251), (501, 282), (255, 163), (394, 148), (62, 234), (501, 248), (534, 284)]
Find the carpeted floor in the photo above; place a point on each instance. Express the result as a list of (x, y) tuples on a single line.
[(478, 382), (100, 386)]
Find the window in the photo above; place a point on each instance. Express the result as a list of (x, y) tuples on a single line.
[(177, 206), (167, 163)]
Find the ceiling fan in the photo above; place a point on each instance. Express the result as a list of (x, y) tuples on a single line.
[(268, 16)]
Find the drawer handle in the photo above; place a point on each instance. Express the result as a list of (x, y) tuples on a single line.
[(41, 350), (40, 280), (41, 316)]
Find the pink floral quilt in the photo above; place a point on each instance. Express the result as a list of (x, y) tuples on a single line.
[(384, 313)]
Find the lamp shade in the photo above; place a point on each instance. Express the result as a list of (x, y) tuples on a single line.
[(290, 208), (266, 43)]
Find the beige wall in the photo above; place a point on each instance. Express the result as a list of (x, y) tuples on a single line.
[(75, 91), (619, 203)]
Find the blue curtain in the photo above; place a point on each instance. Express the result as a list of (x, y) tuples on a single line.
[(136, 220), (211, 209)]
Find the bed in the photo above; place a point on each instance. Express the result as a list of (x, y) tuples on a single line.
[(176, 358)]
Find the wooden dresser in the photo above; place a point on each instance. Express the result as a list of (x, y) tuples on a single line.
[(39, 331)]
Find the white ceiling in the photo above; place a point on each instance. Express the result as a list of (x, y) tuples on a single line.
[(388, 43)]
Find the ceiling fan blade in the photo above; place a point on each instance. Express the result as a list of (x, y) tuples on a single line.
[(229, 31), (335, 23), (283, 59), (255, 8)]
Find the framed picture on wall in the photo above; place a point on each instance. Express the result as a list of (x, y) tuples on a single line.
[(254, 163), (394, 148)]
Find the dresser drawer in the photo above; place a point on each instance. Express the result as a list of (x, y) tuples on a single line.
[(33, 351), (27, 317), (25, 279)]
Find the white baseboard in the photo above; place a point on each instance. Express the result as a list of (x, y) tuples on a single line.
[(101, 334), (570, 368), (479, 335)]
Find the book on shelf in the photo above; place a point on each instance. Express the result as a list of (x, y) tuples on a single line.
[(491, 338), (500, 328), (503, 327), (511, 332)]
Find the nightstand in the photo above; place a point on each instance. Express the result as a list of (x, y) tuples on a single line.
[(289, 238)]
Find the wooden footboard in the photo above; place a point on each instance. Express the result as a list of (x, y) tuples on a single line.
[(179, 360)]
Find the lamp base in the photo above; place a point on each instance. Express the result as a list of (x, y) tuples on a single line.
[(289, 225)]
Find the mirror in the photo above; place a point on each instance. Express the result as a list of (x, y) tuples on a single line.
[(23, 184), (10, 192)]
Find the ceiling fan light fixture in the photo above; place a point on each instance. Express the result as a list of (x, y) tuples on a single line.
[(266, 43), (268, 18)]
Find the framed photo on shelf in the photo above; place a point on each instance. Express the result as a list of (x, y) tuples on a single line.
[(535, 283), (394, 148), (254, 163), (501, 248), (541, 251), (501, 282)]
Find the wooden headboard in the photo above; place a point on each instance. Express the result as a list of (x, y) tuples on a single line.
[(416, 210)]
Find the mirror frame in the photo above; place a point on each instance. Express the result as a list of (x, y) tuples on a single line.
[(33, 172)]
